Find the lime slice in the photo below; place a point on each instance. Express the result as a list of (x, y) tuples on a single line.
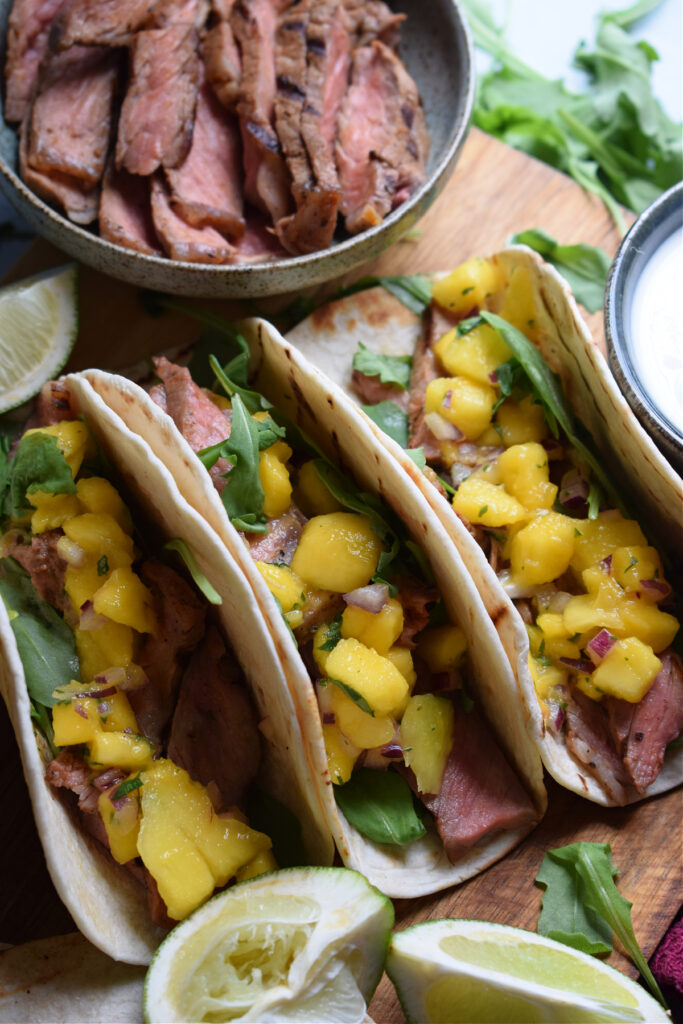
[(446, 972), (38, 327), (302, 944)]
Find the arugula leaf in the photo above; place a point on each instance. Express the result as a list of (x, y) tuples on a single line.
[(588, 878), (357, 698), (45, 643), (126, 787), (212, 343), (253, 400), (38, 465), (391, 419), (418, 456), (380, 805), (269, 815), (185, 551), (415, 291), (564, 917), (584, 267), (390, 369), (332, 634)]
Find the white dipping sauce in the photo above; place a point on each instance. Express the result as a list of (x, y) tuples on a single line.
[(657, 328)]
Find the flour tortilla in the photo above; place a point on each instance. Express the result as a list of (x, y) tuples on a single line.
[(107, 904), (294, 385), (330, 337)]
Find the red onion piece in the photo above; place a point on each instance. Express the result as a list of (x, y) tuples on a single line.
[(447, 398), (135, 678), (90, 620), (600, 646), (553, 447), (80, 710), (656, 590), (111, 777), (103, 691), (579, 665), (442, 428), (573, 492), (112, 677), (371, 598), (459, 472), (394, 751), (72, 553), (606, 564), (328, 718)]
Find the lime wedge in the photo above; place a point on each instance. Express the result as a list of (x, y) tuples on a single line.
[(38, 327), (302, 944), (446, 972)]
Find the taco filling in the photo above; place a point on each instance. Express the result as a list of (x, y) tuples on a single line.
[(141, 711), (501, 442), (403, 735)]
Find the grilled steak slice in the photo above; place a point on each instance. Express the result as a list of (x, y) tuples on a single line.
[(78, 200), (422, 373), (53, 405), (214, 734), (415, 597), (382, 141), (28, 29), (329, 57), (46, 567), (589, 742), (180, 626), (180, 240), (371, 391), (281, 540), (206, 189), (372, 19), (266, 177), (70, 771), (72, 112), (125, 212), (222, 63), (258, 244), (99, 22), (155, 126)]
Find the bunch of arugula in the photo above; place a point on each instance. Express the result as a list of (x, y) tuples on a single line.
[(614, 139)]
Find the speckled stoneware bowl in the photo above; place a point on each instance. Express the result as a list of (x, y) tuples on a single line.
[(437, 50), (645, 343)]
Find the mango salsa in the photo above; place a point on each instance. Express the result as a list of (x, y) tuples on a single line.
[(369, 674), (337, 551), (427, 730), (377, 630)]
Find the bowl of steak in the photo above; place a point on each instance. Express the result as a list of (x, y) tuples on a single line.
[(230, 147)]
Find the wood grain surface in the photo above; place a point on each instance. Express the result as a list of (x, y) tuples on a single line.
[(494, 192)]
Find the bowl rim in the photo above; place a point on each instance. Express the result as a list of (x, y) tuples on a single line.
[(249, 271)]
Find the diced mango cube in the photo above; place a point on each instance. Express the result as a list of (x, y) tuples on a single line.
[(466, 403), (341, 754), (122, 823), (542, 550), (284, 584), (520, 422), (553, 640), (262, 863), (442, 647), (116, 714), (124, 598), (364, 730), (277, 487), (312, 495), (632, 564), (52, 510), (337, 551), (519, 305), (101, 497), (468, 286), (377, 630), (371, 675), (427, 731), (545, 676), (80, 583), (587, 686), (110, 646), (100, 535), (628, 670), (649, 623), (523, 469), (120, 750), (322, 636), (482, 502), (476, 354), (75, 722), (598, 538)]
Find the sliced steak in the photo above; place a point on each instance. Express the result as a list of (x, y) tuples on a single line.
[(155, 125), (71, 195), (180, 626), (197, 418), (214, 734), (258, 244), (70, 771), (480, 793), (99, 22), (28, 29), (424, 371), (41, 560), (181, 240), (266, 176), (371, 390), (53, 405), (72, 113), (415, 597), (206, 190), (382, 140), (372, 19), (281, 540), (125, 215), (180, 12), (589, 742), (223, 63)]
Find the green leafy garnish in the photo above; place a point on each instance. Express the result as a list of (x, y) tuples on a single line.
[(103, 566), (266, 814), (126, 787), (332, 634), (357, 698), (391, 419), (582, 906), (583, 266), (390, 369), (414, 291), (380, 805), (418, 456), (185, 551), (38, 465)]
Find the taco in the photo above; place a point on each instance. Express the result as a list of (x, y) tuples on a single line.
[(418, 738), (535, 467), (142, 744)]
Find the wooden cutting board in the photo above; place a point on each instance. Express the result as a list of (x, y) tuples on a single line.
[(494, 192)]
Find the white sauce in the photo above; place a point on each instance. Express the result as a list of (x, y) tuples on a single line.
[(657, 328)]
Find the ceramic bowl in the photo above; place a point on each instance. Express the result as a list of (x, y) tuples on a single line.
[(643, 324), (437, 50)]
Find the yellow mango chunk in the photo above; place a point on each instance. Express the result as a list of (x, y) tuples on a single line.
[(286, 586), (402, 658), (466, 403), (111, 646), (598, 538), (187, 848), (371, 675), (523, 468), (99, 534), (124, 598), (646, 621), (312, 496), (75, 722), (586, 685), (469, 285), (545, 677), (116, 714), (81, 583), (427, 731), (277, 487), (542, 550), (122, 823), (519, 306), (120, 750), (262, 863), (379, 630), (482, 502), (73, 439), (632, 564), (363, 730), (521, 422), (628, 671), (337, 551), (553, 639), (321, 636), (99, 496), (52, 510), (476, 354), (442, 647), (341, 754)]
